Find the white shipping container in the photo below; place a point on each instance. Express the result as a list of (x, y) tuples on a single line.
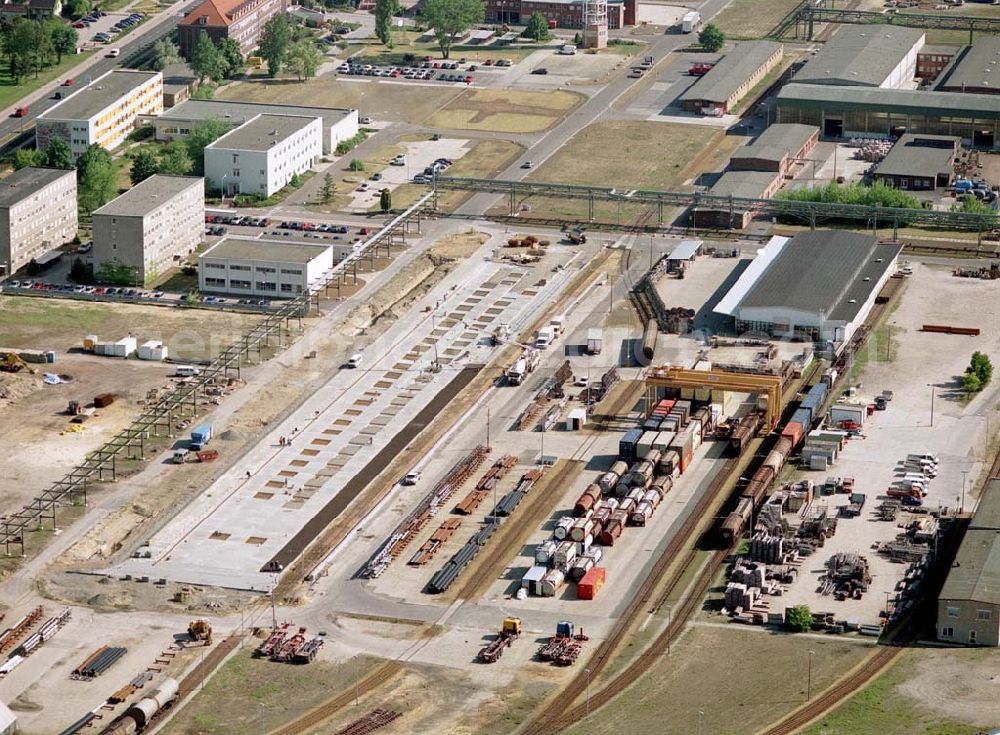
[(551, 582), (565, 554), (562, 527), (544, 552), (532, 578), (582, 547), (596, 553)]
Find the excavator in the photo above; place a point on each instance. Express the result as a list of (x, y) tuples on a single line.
[(11, 363)]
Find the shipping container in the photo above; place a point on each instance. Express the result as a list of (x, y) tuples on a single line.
[(653, 497), (619, 468), (611, 532), (581, 529), (663, 483), (544, 551), (626, 506), (607, 481), (551, 582), (580, 568), (565, 554), (562, 527), (645, 442), (532, 579), (793, 432), (662, 441), (803, 416), (591, 583), (582, 547), (596, 553), (627, 445), (642, 513), (670, 460), (653, 457)]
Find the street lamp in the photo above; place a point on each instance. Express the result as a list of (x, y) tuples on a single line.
[(587, 672), (932, 386), (962, 507)]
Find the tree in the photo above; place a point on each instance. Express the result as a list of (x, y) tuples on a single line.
[(174, 159), (75, 8), (19, 37), (144, 165), (79, 272), (357, 165), (537, 28), (384, 10), (96, 178), (205, 59), (165, 53), (274, 42), (57, 154), (449, 18), (202, 134), (304, 59), (712, 38), (385, 200), (64, 39), (979, 373), (326, 190), (232, 59), (799, 618), (24, 157)]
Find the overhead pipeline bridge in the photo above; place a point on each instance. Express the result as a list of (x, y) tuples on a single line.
[(182, 400), (810, 12), (811, 213)]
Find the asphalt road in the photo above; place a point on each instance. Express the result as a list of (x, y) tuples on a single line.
[(132, 47)]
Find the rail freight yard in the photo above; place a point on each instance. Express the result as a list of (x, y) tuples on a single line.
[(362, 377)]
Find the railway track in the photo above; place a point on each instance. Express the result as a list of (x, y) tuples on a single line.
[(324, 711)]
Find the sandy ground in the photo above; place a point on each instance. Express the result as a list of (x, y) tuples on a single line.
[(959, 684)]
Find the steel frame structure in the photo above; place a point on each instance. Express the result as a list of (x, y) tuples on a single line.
[(809, 13), (676, 377), (810, 212), (182, 401)]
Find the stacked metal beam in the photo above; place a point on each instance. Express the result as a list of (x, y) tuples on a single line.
[(98, 662)]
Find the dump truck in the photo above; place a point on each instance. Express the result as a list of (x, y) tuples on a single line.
[(509, 632), (201, 436)]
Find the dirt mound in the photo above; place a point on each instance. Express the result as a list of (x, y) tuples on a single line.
[(114, 600), (232, 435)]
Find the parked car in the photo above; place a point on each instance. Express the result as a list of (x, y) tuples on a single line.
[(540, 70), (527, 164), (114, 53)]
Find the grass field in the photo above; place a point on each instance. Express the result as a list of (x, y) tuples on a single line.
[(506, 111), (256, 695), (625, 154), (715, 681), (884, 706), (752, 18), (60, 324), (396, 102)]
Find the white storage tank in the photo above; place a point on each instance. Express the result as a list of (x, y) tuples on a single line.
[(551, 582)]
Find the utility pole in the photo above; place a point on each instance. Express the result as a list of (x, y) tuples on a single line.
[(962, 507), (487, 428), (809, 677)]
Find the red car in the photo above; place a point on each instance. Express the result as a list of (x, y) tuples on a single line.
[(363, 231), (68, 83), (21, 112)]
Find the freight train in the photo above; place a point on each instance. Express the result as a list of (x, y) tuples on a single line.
[(137, 717), (761, 481)]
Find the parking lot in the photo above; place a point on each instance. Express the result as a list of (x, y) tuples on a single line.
[(427, 70), (100, 28)]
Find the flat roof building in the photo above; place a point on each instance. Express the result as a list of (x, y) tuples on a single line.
[(262, 268), (819, 286), (867, 56), (338, 124), (102, 112), (776, 148), (841, 112), (149, 229), (969, 603), (37, 214), (261, 156), (565, 13), (740, 185), (974, 69), (732, 77), (241, 20), (920, 162), (933, 59)]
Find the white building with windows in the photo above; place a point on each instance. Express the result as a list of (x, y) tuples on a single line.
[(262, 155), (239, 266), (151, 228), (103, 111), (37, 215)]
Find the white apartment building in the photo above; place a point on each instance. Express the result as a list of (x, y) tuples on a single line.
[(150, 228), (37, 214), (262, 268), (261, 156), (103, 112)]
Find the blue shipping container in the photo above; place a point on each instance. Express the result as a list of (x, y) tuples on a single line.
[(626, 445), (804, 417), (815, 397)]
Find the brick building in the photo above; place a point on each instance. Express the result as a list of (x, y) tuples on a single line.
[(565, 13), (241, 20)]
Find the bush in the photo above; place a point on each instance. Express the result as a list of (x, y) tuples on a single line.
[(345, 146), (979, 373), (834, 193), (799, 619), (357, 165)]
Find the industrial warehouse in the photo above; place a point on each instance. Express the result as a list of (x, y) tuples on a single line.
[(502, 372)]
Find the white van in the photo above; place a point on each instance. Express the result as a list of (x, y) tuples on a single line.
[(187, 371), (926, 457), (354, 360), (568, 50)]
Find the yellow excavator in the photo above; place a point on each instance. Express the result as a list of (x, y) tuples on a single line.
[(11, 363)]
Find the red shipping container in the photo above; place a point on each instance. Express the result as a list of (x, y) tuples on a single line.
[(686, 457), (591, 583), (793, 432)]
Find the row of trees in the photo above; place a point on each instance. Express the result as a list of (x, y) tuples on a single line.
[(31, 45), (979, 373), (281, 48), (96, 172)]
